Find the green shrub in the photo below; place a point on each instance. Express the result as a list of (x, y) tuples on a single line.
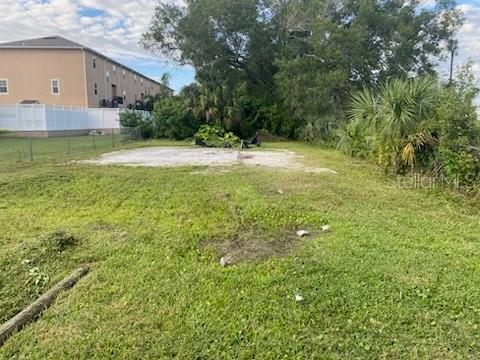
[(173, 120), (132, 119), (456, 123), (460, 168), (417, 124), (392, 123), (216, 136)]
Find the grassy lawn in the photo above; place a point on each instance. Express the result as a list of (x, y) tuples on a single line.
[(397, 277), (14, 149)]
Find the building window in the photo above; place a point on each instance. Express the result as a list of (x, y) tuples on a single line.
[(94, 62), (123, 74), (108, 75), (55, 87), (114, 69), (3, 87), (135, 78), (95, 89), (124, 95)]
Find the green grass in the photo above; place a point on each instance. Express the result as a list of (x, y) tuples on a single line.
[(15, 149), (397, 277)]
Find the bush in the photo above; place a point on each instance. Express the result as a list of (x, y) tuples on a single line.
[(173, 120), (132, 119), (417, 124), (457, 125), (460, 168), (392, 124), (216, 136)]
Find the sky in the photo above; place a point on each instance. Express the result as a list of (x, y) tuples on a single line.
[(114, 28)]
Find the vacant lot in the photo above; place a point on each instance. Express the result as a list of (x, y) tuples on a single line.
[(398, 276)]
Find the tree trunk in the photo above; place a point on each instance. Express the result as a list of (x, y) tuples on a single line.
[(452, 57)]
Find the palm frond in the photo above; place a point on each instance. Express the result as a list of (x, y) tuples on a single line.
[(363, 109), (408, 155)]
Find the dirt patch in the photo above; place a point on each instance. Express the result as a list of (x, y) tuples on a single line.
[(174, 157), (253, 246)]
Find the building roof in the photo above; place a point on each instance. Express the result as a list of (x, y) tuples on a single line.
[(45, 42), (58, 42)]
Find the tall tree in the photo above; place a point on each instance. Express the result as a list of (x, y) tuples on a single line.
[(450, 20), (306, 56)]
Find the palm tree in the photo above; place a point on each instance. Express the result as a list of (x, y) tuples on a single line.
[(397, 116)]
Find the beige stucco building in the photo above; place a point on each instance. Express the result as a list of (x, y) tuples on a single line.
[(57, 71)]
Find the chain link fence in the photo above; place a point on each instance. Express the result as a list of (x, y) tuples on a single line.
[(31, 148)]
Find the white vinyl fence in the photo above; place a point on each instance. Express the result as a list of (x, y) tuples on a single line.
[(57, 118)]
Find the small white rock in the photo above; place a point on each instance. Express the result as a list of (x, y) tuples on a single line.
[(326, 228), (225, 261), (298, 297), (280, 192), (302, 233)]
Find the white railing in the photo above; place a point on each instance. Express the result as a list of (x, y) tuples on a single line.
[(40, 117)]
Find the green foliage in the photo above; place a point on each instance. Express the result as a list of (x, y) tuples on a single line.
[(316, 130), (460, 168), (393, 123), (275, 120), (458, 131), (130, 118), (133, 119), (216, 136), (408, 124), (174, 120), (239, 111), (291, 67), (253, 55)]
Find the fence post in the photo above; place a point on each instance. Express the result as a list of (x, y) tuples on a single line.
[(30, 147), (94, 144), (55, 121), (18, 119), (68, 142), (32, 114), (44, 119)]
